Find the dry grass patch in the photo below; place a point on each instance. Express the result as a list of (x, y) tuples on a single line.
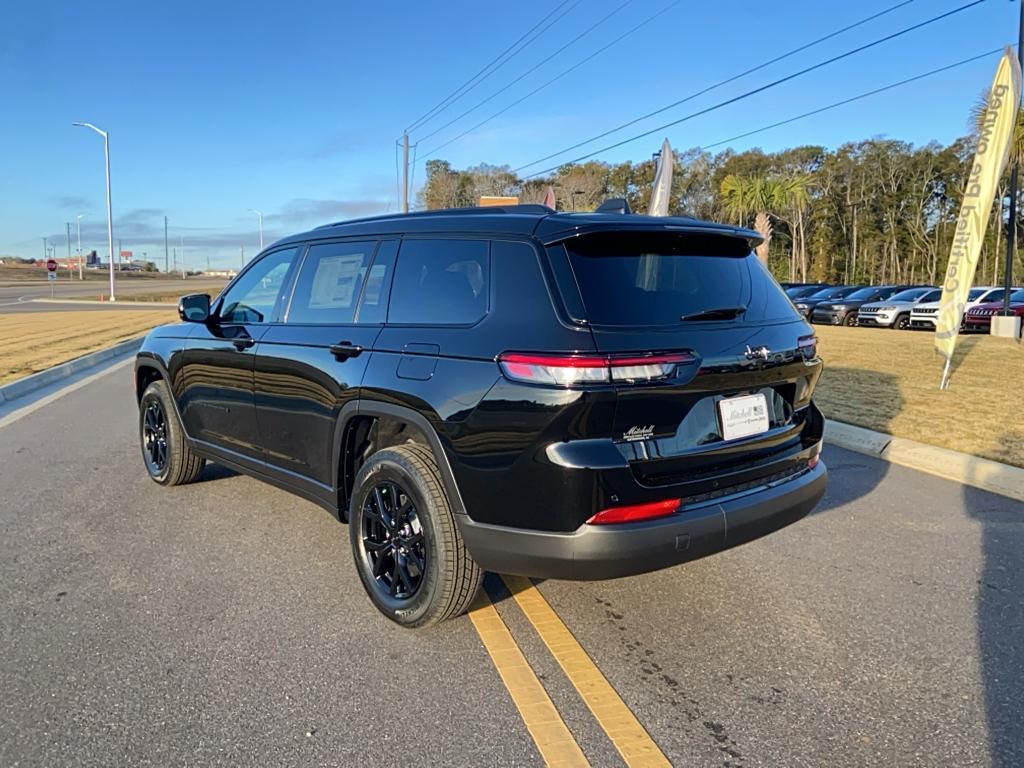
[(35, 341), (889, 381)]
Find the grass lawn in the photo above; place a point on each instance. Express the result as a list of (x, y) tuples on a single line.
[(889, 381), (34, 341)]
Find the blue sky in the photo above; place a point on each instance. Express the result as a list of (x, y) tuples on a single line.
[(214, 108)]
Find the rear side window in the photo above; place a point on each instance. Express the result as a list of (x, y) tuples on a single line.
[(329, 282), (440, 282), (656, 279)]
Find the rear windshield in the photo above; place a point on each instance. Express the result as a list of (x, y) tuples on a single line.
[(658, 279)]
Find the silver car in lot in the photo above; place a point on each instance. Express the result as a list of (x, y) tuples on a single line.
[(894, 312), (925, 313)]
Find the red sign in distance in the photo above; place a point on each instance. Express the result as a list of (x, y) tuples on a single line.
[(51, 265)]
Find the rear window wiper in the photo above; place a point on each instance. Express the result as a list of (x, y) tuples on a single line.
[(719, 313)]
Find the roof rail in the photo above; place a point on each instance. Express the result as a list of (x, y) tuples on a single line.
[(526, 208)]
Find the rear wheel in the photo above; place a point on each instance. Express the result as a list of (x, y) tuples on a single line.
[(902, 323), (410, 556), (166, 454)]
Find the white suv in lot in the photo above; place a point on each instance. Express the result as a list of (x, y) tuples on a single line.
[(894, 312), (924, 314)]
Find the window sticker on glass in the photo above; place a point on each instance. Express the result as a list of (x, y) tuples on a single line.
[(336, 280)]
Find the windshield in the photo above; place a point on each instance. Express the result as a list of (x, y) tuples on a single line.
[(862, 293), (827, 293), (653, 278), (934, 295), (910, 294), (802, 291), (975, 294), (1017, 297)]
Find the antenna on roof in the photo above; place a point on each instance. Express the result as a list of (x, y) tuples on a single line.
[(614, 205)]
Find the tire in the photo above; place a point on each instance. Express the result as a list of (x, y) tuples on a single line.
[(435, 578), (902, 322), (165, 452), (850, 320)]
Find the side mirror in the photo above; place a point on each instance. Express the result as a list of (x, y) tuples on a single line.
[(194, 308)]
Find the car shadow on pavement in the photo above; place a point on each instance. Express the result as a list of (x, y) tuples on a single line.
[(1000, 617), (854, 475), (214, 471)]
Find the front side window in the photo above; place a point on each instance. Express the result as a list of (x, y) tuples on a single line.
[(330, 279), (440, 282), (254, 295)]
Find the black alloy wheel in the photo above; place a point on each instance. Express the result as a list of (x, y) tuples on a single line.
[(850, 319), (154, 437), (393, 542), (902, 322)]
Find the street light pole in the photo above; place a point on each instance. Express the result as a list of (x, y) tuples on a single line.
[(78, 221), (260, 214), (110, 214), (166, 262)]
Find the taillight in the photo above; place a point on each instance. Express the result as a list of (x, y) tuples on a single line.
[(574, 370), (635, 513), (808, 347)]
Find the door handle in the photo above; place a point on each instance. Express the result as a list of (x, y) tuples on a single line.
[(242, 344), (345, 349)]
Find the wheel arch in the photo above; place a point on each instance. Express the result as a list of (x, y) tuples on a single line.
[(149, 368), (389, 424)]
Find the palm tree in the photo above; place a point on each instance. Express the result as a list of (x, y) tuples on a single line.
[(764, 197)]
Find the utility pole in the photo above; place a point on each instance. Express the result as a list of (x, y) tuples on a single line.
[(405, 173), (175, 252), (1011, 225), (45, 251), (166, 271), (181, 243), (78, 221), (118, 254), (69, 249), (241, 251)]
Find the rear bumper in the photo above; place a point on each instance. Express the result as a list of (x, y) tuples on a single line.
[(610, 551)]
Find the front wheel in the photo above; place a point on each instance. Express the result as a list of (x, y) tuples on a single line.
[(850, 319), (168, 458), (902, 323), (411, 559)]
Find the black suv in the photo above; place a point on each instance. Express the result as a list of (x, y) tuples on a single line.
[(578, 396)]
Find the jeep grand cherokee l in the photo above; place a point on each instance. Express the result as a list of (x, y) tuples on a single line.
[(580, 396)]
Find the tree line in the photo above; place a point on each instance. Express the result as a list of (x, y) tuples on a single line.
[(876, 211)]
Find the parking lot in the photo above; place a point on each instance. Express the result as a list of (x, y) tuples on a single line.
[(223, 622)]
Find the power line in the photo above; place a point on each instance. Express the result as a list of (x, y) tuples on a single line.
[(557, 77), (852, 99), (720, 83), (759, 89), (531, 70), (480, 76)]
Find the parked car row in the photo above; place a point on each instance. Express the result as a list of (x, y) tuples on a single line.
[(895, 306)]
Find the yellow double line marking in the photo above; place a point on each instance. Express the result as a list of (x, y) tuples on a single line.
[(552, 737)]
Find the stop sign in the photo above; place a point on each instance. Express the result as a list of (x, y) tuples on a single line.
[(51, 265)]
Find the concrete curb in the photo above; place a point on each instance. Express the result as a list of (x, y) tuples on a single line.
[(963, 468), (114, 304), (35, 381)]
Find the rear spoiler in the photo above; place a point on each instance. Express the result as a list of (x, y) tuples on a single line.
[(752, 238)]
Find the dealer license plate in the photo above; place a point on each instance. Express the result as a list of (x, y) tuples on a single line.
[(743, 416)]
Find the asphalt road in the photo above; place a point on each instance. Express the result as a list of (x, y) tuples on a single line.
[(17, 296), (222, 624)]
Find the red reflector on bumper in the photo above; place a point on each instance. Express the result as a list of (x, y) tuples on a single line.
[(635, 512)]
